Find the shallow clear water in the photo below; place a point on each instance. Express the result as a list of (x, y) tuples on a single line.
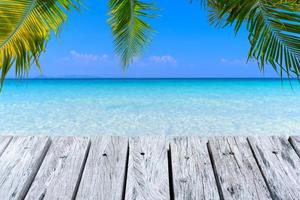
[(145, 107)]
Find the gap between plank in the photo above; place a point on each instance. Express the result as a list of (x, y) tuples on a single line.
[(170, 170), (10, 139), (295, 149), (39, 165), (260, 169), (213, 164), (82, 169), (126, 171)]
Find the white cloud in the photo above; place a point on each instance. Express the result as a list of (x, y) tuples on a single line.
[(87, 57), (165, 59), (232, 61)]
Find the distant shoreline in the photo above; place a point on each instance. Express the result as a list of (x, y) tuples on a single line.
[(99, 78)]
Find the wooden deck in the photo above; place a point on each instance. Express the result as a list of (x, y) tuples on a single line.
[(149, 168)]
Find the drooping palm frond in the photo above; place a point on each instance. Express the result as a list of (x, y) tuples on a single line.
[(274, 30), (25, 27), (129, 29)]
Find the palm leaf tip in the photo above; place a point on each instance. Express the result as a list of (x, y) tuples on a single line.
[(130, 30), (25, 29), (273, 26)]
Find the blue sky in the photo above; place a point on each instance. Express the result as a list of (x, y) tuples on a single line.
[(185, 45)]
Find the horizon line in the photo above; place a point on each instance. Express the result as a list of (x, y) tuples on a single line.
[(149, 78)]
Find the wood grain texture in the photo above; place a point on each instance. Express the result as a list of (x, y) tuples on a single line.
[(295, 141), (104, 174), (279, 164), (237, 172), (59, 175), (4, 141), (147, 176), (193, 176), (19, 164)]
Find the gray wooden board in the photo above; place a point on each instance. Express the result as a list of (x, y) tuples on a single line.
[(237, 172), (147, 176), (295, 141), (279, 164), (59, 174), (104, 174), (19, 164), (193, 176), (4, 141)]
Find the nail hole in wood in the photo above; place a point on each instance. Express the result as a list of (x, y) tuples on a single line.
[(142, 153), (13, 194), (183, 180), (104, 154), (230, 190), (275, 152), (63, 157), (42, 196), (231, 153)]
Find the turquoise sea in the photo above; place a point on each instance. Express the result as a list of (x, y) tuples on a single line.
[(150, 106)]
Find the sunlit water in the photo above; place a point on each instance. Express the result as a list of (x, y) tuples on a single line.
[(146, 107)]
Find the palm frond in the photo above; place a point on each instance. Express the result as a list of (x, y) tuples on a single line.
[(25, 29), (273, 26), (131, 32)]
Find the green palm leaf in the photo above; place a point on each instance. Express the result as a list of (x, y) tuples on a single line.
[(131, 33), (274, 30), (25, 28)]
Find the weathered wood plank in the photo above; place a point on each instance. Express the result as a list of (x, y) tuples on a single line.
[(4, 141), (19, 164), (60, 173), (279, 164), (237, 172), (193, 176), (147, 176), (295, 141), (104, 174)]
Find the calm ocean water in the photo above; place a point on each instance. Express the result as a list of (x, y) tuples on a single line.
[(145, 107)]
